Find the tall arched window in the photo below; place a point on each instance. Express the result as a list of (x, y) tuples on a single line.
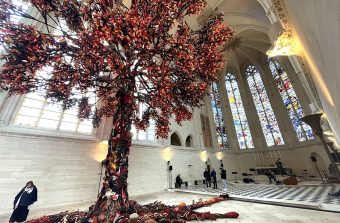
[(239, 116), (291, 101), (38, 112), (218, 117), (149, 133), (264, 109)]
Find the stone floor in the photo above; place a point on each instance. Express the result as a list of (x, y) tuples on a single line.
[(307, 196), (249, 212)]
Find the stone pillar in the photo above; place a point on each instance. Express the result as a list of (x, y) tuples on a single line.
[(197, 135), (207, 111), (301, 85), (9, 108)]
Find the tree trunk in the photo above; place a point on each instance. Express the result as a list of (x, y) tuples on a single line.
[(112, 202)]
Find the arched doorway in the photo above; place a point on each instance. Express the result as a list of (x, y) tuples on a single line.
[(189, 141), (175, 140)]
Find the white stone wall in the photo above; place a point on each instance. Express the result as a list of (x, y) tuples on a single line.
[(296, 158), (316, 24), (67, 172), (63, 171)]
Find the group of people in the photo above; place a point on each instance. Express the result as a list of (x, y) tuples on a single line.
[(213, 175), (208, 176)]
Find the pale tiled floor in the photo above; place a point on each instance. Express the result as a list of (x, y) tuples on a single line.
[(300, 195), (249, 212)]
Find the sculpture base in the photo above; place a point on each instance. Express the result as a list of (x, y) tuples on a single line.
[(150, 213)]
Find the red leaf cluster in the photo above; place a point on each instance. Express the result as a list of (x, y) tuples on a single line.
[(106, 48)]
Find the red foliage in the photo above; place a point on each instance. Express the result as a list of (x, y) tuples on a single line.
[(145, 53), (107, 45), (154, 212)]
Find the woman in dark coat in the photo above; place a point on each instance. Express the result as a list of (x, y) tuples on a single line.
[(27, 196)]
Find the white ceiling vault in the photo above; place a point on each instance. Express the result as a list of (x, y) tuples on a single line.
[(250, 23)]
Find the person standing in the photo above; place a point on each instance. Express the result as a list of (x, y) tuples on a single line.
[(213, 176), (271, 176), (279, 166), (26, 197), (207, 177), (179, 181), (224, 179)]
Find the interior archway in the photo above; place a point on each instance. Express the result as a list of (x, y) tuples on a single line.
[(189, 142), (175, 140)]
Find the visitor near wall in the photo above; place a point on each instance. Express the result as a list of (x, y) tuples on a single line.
[(213, 176), (279, 166), (178, 182), (26, 197), (207, 177), (224, 179), (271, 176)]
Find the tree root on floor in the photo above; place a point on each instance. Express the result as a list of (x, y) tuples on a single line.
[(149, 213)]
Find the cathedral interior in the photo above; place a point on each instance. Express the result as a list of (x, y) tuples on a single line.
[(271, 120)]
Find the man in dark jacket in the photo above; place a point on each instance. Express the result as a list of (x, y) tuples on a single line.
[(207, 177), (279, 166), (178, 182), (27, 196)]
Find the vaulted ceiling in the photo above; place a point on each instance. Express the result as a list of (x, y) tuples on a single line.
[(250, 23)]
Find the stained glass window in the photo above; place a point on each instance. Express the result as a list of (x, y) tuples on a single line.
[(237, 110), (218, 117), (291, 101), (263, 107), (36, 111)]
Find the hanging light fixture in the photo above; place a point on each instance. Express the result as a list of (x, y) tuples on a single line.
[(284, 45)]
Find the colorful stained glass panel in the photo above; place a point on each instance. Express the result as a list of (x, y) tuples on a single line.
[(218, 117), (239, 116), (263, 107), (291, 101)]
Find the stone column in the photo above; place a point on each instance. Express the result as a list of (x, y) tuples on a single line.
[(9, 108), (207, 112), (301, 86)]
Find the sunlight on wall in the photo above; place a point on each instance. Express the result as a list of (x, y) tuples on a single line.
[(316, 73), (285, 45), (219, 155), (204, 156), (100, 152), (167, 154)]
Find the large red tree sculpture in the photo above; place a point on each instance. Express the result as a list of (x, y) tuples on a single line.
[(141, 53)]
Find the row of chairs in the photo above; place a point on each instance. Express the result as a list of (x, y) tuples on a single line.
[(247, 177)]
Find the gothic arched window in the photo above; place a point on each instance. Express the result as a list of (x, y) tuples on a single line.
[(218, 117), (237, 110), (144, 135), (291, 101), (263, 107)]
